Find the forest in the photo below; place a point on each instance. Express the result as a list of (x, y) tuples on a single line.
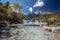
[(11, 13)]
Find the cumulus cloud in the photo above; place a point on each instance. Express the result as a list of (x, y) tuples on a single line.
[(30, 9), (39, 3), (37, 12)]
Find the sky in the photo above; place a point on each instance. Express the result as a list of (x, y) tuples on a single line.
[(34, 5)]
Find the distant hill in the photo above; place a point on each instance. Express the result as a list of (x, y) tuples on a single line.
[(48, 17), (31, 15)]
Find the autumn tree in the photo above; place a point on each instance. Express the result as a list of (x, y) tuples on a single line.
[(16, 7), (17, 12), (10, 13)]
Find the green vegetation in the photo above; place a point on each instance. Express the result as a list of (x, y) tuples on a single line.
[(10, 16)]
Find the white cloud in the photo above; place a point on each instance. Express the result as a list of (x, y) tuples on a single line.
[(39, 3), (25, 13), (15, 10), (30, 9), (37, 12)]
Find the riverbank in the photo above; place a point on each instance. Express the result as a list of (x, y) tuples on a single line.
[(29, 33), (52, 28), (8, 22)]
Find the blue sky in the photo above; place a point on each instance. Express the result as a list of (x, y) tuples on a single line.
[(49, 5)]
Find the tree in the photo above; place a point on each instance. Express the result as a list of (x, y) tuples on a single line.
[(6, 13), (16, 7), (1, 3), (7, 5), (20, 16)]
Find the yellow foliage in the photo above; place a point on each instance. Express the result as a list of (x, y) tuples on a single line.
[(9, 11)]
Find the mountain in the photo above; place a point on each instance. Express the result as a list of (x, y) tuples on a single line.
[(31, 15)]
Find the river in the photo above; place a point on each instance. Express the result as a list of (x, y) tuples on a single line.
[(32, 33)]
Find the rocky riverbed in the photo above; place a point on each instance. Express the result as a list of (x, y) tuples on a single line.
[(31, 33)]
